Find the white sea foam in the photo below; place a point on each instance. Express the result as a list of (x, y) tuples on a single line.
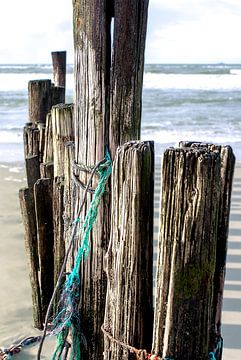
[(11, 137), (232, 81), (235, 72), (12, 179), (175, 136), (16, 169), (19, 82), (193, 81)]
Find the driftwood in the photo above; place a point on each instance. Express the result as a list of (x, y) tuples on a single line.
[(128, 312), (187, 253)]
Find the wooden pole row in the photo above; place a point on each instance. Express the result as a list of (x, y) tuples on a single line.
[(195, 201), (41, 202), (48, 191)]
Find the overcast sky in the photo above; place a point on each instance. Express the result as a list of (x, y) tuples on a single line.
[(179, 31)]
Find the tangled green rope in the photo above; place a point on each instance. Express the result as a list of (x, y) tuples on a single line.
[(67, 318)]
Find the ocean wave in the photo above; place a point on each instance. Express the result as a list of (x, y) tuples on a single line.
[(235, 71), (30, 68), (192, 82), (188, 68), (175, 135), (7, 137), (19, 82)]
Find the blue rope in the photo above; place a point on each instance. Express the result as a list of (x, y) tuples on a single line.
[(213, 355), (68, 311)]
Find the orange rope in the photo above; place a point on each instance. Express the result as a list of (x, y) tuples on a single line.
[(140, 353)]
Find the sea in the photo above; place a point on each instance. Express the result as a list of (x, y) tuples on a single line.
[(194, 102)]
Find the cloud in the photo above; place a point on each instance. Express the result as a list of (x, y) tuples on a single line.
[(178, 30), (208, 31), (32, 29)]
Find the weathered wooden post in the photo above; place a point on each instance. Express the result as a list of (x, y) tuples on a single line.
[(42, 96), (39, 100), (43, 192), (130, 22), (31, 247), (226, 176), (98, 124), (128, 312), (62, 133), (59, 68), (187, 253)]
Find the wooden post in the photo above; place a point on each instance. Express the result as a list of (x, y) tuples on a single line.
[(187, 253), (42, 96), (59, 68), (127, 71), (30, 140), (92, 36), (57, 95), (43, 190), (41, 128), (128, 312), (31, 246), (48, 143), (58, 228), (32, 171), (63, 133), (96, 125), (226, 176), (39, 94), (47, 170)]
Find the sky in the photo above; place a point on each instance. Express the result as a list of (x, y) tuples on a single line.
[(179, 31)]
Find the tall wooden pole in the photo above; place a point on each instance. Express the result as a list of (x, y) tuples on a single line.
[(130, 25), (92, 71), (97, 84)]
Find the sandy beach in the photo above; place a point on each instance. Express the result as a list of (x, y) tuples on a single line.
[(15, 300)]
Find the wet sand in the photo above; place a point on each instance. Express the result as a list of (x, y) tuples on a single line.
[(15, 299)]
